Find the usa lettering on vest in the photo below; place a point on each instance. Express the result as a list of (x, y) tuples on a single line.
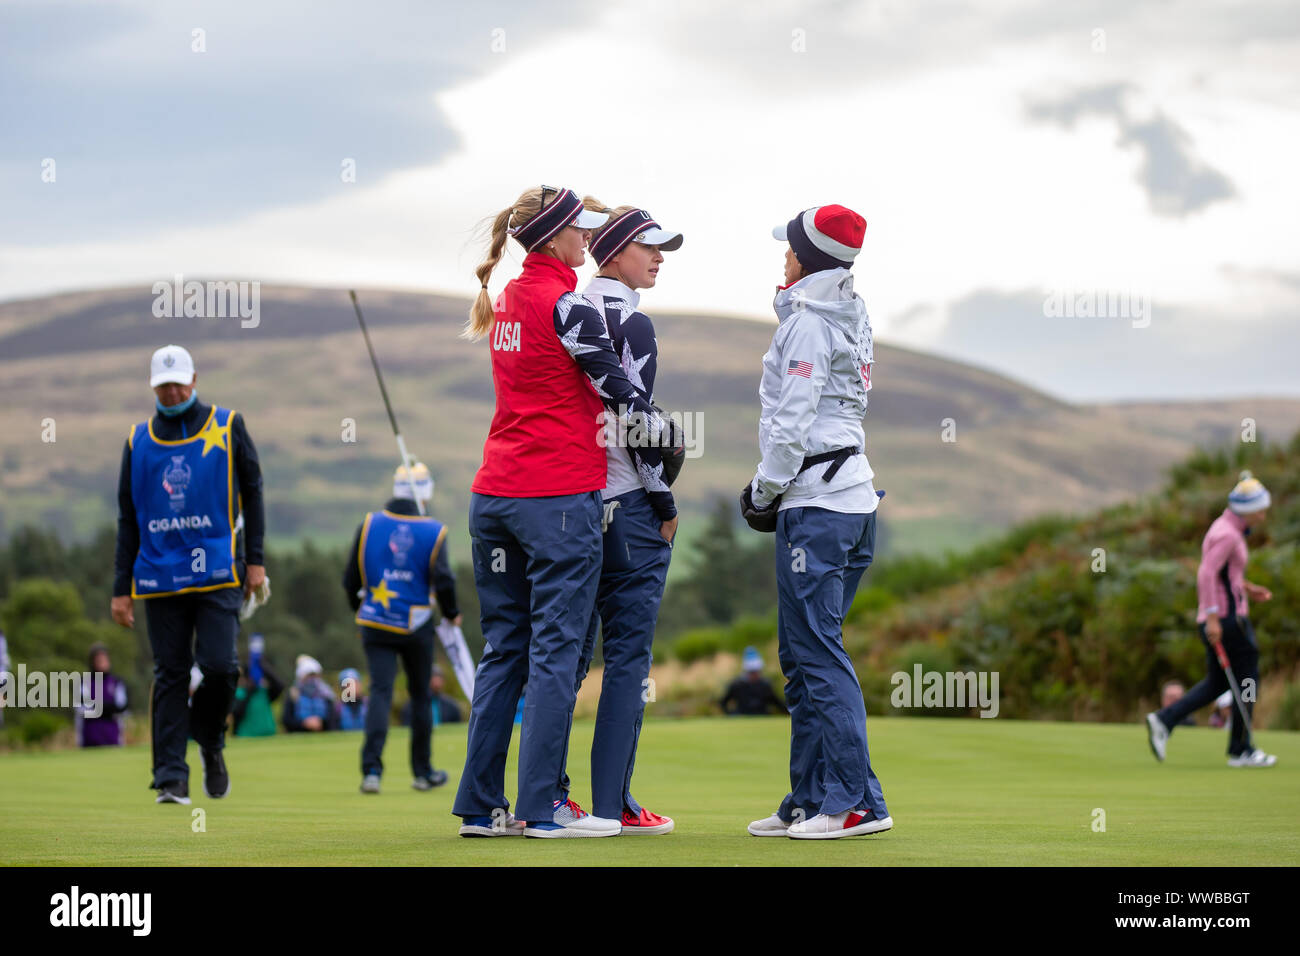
[(505, 337)]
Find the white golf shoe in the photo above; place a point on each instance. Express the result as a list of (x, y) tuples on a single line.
[(771, 826), (498, 825), (570, 821), (835, 825), (1157, 735), (1252, 758)]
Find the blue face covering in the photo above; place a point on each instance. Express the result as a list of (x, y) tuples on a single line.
[(171, 411)]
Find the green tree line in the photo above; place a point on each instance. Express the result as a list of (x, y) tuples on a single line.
[(54, 604), (1068, 641)]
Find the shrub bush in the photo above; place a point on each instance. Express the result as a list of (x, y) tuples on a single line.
[(1288, 713)]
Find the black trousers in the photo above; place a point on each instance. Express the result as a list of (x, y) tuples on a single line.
[(185, 629), (1243, 656), (383, 650)]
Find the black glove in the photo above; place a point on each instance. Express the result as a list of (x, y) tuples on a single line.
[(674, 449), (760, 519), (672, 443), (674, 453)]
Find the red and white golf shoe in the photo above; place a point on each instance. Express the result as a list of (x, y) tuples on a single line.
[(646, 822), (836, 825)]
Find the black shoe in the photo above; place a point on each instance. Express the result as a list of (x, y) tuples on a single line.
[(435, 779), (216, 782), (175, 791)]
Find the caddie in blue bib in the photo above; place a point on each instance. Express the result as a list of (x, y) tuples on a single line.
[(185, 506), (395, 555)]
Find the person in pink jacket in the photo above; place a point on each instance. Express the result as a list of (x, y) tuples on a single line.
[(1224, 596)]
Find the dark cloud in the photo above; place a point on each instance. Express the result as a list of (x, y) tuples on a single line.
[(148, 134), (1177, 182)]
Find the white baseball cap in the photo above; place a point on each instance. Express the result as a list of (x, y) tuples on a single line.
[(171, 363), (304, 665), (419, 489)]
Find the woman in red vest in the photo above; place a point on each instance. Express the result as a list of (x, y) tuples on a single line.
[(535, 514)]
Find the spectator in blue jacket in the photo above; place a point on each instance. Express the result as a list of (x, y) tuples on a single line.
[(309, 704), (352, 703)]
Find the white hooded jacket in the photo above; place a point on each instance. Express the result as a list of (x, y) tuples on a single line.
[(816, 376)]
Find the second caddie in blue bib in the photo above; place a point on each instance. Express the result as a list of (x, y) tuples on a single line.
[(185, 507), (395, 554)]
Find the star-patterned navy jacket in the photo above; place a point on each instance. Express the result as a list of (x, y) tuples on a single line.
[(615, 346)]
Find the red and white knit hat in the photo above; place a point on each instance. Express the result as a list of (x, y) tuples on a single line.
[(824, 237)]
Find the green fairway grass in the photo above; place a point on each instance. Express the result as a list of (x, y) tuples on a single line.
[(961, 792)]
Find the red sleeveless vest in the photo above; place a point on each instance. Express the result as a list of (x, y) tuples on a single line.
[(546, 434)]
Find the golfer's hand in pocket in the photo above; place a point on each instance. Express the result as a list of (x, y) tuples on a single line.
[(668, 530)]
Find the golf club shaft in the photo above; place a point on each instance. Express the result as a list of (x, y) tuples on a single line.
[(388, 406), (1236, 691)]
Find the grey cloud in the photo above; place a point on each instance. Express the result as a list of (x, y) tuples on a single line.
[(1156, 26), (1177, 182), (910, 317), (1183, 353), (852, 41), (1066, 110), (148, 134)]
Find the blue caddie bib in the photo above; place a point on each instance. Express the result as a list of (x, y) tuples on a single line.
[(185, 506), (395, 555)]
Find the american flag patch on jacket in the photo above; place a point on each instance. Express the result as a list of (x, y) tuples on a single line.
[(803, 369)]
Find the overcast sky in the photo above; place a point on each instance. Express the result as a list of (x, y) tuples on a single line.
[(1003, 154)]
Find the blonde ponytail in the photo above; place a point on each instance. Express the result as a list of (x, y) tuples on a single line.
[(480, 313), (525, 208)]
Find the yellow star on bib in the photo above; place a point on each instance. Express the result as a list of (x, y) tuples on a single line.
[(382, 594), (215, 435)]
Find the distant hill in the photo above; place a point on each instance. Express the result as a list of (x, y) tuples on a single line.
[(81, 359)]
